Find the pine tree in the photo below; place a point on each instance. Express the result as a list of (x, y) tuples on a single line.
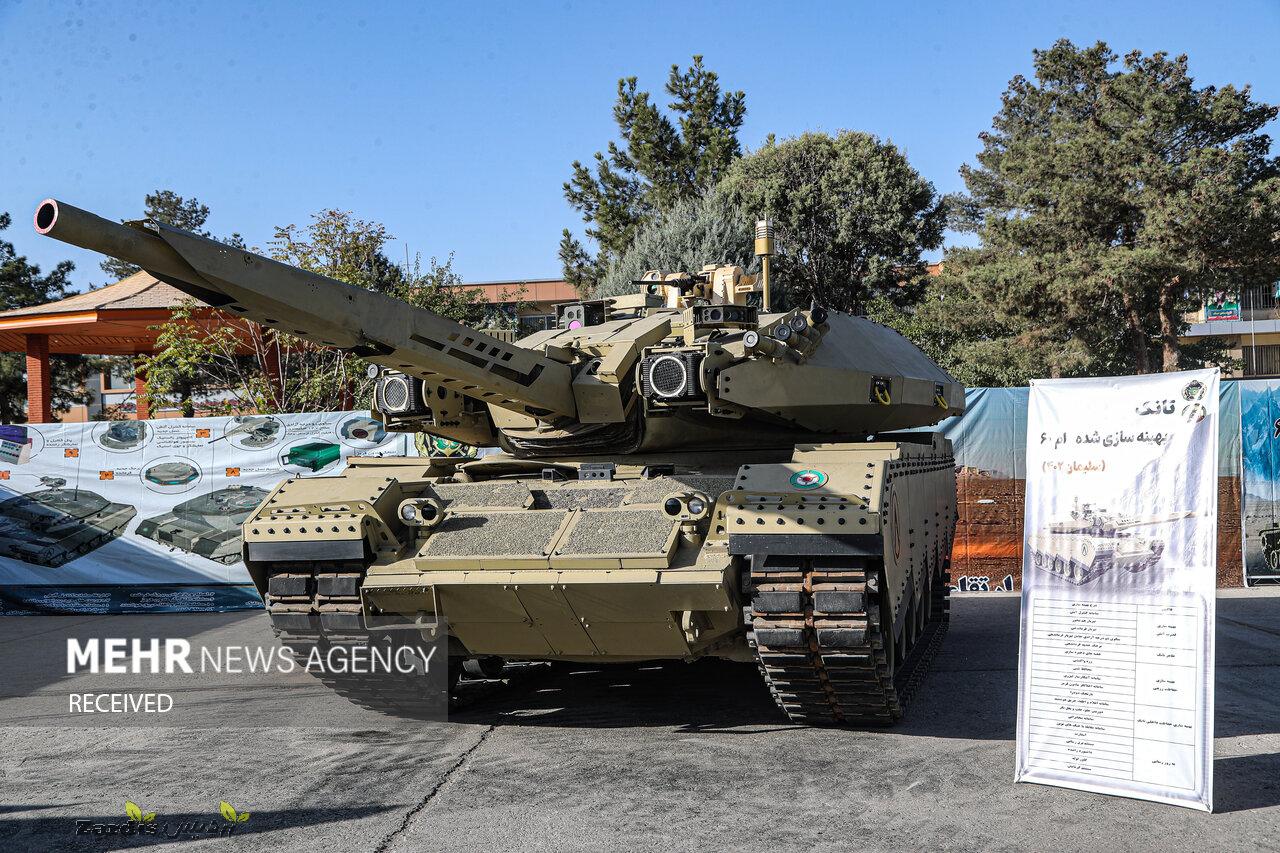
[(1109, 202), (708, 229), (172, 209), (659, 160), (853, 217)]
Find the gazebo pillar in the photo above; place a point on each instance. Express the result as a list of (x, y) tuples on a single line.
[(140, 391), (39, 383)]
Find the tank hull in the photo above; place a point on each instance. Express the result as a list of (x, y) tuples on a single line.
[(527, 565)]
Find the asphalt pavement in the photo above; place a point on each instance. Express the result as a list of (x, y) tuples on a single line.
[(646, 757)]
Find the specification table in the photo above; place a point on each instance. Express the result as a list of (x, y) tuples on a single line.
[(1112, 690)]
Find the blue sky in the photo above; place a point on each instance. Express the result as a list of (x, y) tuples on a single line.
[(455, 124)]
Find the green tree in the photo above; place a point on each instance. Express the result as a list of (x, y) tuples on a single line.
[(706, 229), (1109, 201), (659, 160), (21, 286), (201, 351), (168, 207), (852, 217)]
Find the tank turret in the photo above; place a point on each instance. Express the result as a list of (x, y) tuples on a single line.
[(684, 363)]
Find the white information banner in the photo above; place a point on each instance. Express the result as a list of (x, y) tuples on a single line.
[(1115, 683)]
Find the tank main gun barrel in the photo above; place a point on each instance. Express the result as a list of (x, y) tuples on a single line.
[(325, 311), (1152, 520)]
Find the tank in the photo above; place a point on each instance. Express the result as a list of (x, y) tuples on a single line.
[(208, 526), (54, 525), (1093, 541), (683, 473)]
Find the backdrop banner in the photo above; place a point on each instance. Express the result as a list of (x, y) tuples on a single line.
[(1260, 512), (1115, 686), (144, 516)]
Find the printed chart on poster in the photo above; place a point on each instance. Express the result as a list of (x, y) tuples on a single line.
[(133, 516), (1115, 688)]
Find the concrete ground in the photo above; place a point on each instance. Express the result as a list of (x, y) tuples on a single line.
[(638, 757)]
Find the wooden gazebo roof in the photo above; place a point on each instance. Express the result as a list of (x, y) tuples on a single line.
[(112, 320)]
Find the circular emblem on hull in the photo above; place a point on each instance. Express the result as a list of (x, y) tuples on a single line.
[(809, 478)]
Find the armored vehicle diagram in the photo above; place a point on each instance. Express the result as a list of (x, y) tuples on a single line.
[(51, 526), (208, 526), (1093, 542)]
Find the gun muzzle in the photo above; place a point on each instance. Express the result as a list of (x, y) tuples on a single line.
[(81, 228)]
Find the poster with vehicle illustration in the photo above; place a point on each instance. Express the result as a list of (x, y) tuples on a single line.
[(139, 516)]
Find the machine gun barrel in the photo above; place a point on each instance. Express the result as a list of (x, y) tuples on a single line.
[(325, 311)]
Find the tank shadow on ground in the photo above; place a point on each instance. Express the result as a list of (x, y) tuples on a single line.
[(707, 695), (7, 809), (970, 691), (49, 833)]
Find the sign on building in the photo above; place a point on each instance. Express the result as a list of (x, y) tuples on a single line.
[(1222, 306)]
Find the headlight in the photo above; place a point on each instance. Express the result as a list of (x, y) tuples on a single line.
[(686, 506), (421, 512)]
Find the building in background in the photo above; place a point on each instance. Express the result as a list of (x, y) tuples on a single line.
[(530, 302), (1250, 321)]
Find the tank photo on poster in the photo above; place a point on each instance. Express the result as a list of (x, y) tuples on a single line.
[(252, 432), (122, 436), (1094, 541)]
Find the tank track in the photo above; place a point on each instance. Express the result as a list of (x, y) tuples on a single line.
[(316, 606), (824, 643)]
